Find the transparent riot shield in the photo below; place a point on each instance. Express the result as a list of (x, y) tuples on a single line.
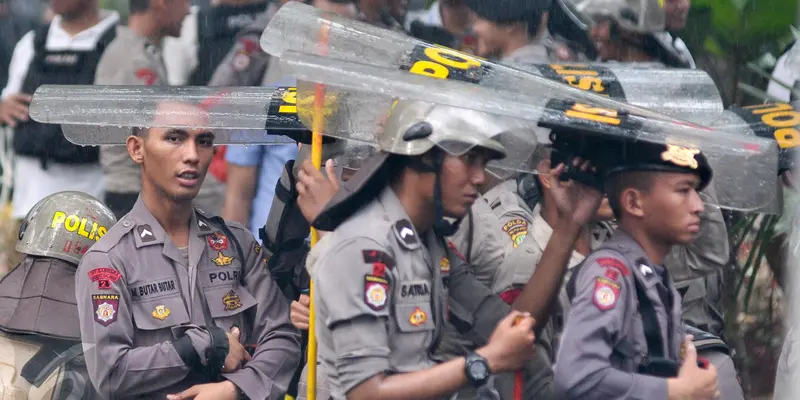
[(305, 29), (93, 115), (739, 161)]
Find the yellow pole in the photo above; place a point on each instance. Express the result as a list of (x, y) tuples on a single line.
[(316, 158)]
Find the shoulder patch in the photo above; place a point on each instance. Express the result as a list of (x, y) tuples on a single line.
[(606, 293), (405, 233), (615, 264), (104, 277), (517, 230), (380, 261), (376, 291), (145, 233), (105, 308)]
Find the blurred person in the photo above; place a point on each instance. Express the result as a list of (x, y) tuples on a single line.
[(39, 330), (207, 35), (515, 31), (387, 14), (134, 58), (189, 310), (65, 51), (13, 27), (785, 83), (447, 23)]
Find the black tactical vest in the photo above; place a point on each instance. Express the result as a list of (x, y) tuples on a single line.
[(63, 67), (217, 29)]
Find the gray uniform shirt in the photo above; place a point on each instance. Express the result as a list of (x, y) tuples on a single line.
[(138, 298), (130, 59), (246, 63), (382, 297), (604, 319)]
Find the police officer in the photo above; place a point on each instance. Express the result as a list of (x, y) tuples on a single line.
[(39, 332), (697, 268), (515, 31), (386, 279), (134, 58), (170, 299), (206, 38), (623, 336)]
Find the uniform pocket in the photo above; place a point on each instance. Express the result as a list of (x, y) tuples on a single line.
[(160, 312), (227, 301)]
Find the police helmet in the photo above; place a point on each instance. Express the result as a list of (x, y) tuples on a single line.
[(64, 225)]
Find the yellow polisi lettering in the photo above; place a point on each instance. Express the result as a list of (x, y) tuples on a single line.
[(784, 119), (429, 68), (586, 83), (290, 98), (81, 226), (564, 70), (451, 58), (597, 114)]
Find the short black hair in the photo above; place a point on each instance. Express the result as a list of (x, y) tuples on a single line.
[(138, 6), (617, 183)]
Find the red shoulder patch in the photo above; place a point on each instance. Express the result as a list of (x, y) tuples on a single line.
[(380, 261), (147, 75), (249, 45), (105, 308), (104, 277), (606, 293), (614, 263), (510, 295), (376, 291)]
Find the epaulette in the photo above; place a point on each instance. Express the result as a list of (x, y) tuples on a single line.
[(114, 235)]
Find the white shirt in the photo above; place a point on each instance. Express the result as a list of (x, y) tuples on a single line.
[(787, 71), (180, 54), (31, 182), (431, 17)]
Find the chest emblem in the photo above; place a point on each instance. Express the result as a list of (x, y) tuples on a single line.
[(375, 292), (105, 308), (217, 241), (232, 301), (606, 293), (444, 265), (418, 317), (517, 230), (222, 260), (161, 313)]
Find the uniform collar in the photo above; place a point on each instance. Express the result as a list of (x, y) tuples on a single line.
[(148, 231), (129, 35), (107, 18), (623, 242)]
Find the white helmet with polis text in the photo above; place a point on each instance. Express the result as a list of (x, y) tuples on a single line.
[(64, 225)]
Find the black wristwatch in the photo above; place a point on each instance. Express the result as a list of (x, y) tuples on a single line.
[(477, 370)]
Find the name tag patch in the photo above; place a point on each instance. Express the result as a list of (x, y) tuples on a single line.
[(150, 289), (414, 289)]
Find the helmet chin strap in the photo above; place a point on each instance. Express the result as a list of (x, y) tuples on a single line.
[(441, 227)]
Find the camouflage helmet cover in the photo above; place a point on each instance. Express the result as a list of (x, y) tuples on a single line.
[(64, 225)]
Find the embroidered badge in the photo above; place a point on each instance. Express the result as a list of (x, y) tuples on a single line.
[(516, 229), (418, 317), (380, 261), (104, 277), (606, 293), (231, 301), (645, 270), (202, 225), (145, 233), (375, 292), (618, 265), (405, 232), (217, 241), (256, 247), (612, 274), (161, 312), (222, 260), (444, 265), (105, 308), (681, 156)]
